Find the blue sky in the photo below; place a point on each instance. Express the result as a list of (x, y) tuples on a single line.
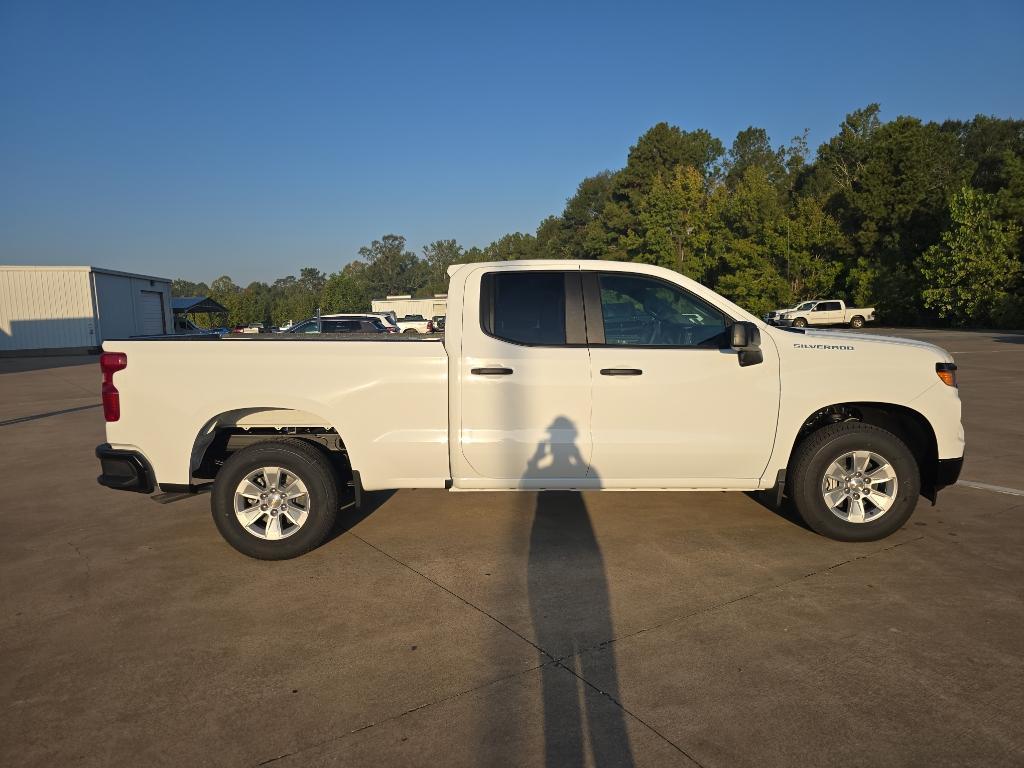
[(197, 139)]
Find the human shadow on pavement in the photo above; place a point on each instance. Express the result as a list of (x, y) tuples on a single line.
[(571, 614)]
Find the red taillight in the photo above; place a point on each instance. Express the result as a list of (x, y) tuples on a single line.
[(111, 363)]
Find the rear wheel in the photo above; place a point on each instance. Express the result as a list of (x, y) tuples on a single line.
[(854, 482), (275, 500), (856, 321), (410, 330), (800, 323)]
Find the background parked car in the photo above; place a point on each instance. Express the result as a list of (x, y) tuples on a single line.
[(352, 324), (388, 322), (389, 319), (438, 323)]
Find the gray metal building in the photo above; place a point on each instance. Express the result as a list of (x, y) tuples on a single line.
[(68, 310)]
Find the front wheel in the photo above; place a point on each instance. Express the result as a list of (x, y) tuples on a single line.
[(857, 322), (275, 500), (799, 323), (410, 330), (854, 482)]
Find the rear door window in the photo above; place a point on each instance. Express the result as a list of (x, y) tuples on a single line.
[(524, 307)]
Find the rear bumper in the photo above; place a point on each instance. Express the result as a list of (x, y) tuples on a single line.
[(124, 470), (948, 472)]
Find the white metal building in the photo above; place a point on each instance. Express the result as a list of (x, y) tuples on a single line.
[(61, 310), (406, 305)]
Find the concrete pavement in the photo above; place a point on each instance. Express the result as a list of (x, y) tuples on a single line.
[(508, 629)]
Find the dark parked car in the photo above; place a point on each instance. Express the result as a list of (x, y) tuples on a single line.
[(437, 323), (346, 325)]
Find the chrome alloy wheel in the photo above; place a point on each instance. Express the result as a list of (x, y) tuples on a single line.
[(271, 503), (859, 486)]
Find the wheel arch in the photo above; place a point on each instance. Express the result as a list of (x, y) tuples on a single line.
[(911, 426), (228, 431)]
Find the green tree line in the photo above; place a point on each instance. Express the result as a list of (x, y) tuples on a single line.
[(920, 219)]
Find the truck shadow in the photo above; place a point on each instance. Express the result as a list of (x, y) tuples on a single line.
[(349, 516), (571, 614), (786, 510)]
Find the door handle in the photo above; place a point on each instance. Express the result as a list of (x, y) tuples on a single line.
[(491, 371), (621, 372)]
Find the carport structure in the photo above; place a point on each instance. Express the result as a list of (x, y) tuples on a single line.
[(184, 306)]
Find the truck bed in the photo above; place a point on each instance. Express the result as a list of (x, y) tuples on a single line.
[(388, 395)]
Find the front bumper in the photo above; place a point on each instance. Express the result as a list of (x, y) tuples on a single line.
[(124, 470)]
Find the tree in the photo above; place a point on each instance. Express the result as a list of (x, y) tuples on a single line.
[(674, 225), (752, 149), (749, 241), (391, 269), (513, 247), (440, 255), (188, 288), (967, 277), (251, 305), (665, 147), (890, 185), (346, 290), (580, 232), (311, 280)]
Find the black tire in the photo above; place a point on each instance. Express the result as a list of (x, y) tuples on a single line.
[(814, 456), (856, 321), (410, 330), (800, 323), (295, 456)]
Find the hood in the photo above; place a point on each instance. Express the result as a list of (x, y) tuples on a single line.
[(812, 336)]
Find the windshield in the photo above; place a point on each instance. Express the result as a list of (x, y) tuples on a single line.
[(806, 305)]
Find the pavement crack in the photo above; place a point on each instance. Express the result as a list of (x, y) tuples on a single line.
[(458, 597), (399, 715), (556, 662), (88, 566), (741, 598), (615, 702), (48, 414)]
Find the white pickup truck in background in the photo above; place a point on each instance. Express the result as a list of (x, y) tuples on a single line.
[(825, 312), (551, 375), (415, 324)]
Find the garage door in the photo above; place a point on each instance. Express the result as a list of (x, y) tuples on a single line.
[(152, 309)]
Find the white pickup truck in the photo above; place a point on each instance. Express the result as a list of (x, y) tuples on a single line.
[(828, 312), (551, 375), (415, 324)]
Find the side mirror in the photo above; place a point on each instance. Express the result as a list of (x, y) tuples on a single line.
[(745, 338)]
